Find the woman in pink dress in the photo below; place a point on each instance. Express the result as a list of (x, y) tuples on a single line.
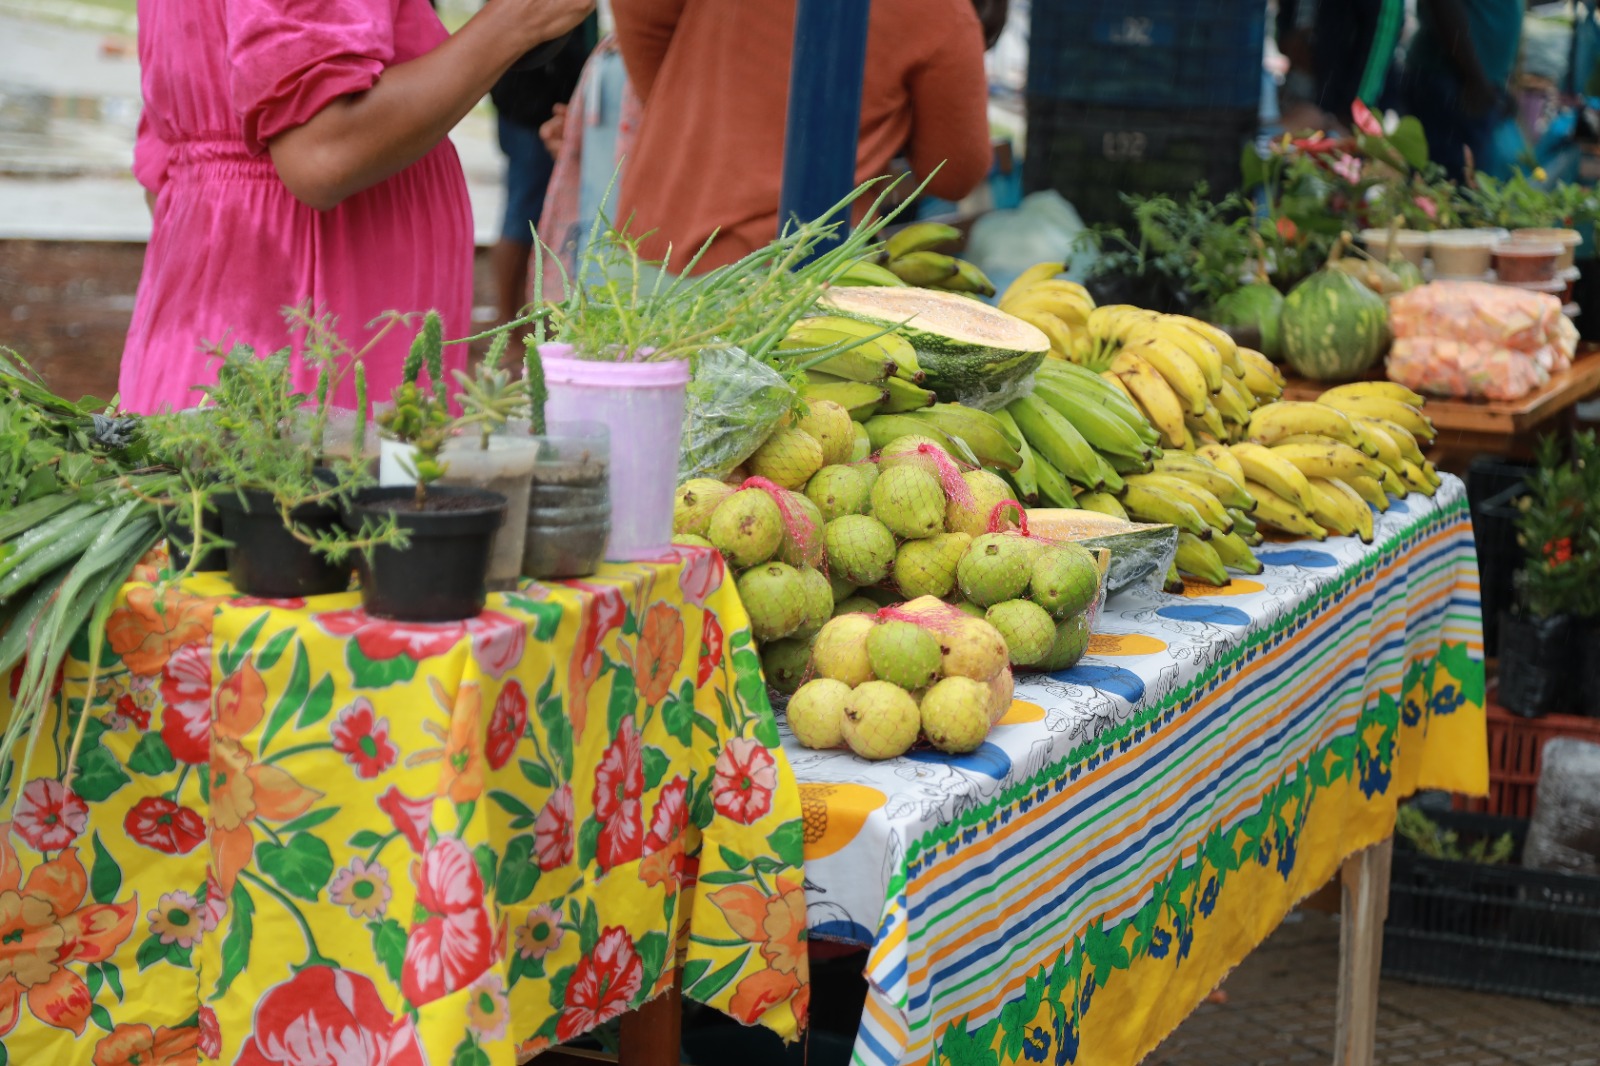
[(295, 152)]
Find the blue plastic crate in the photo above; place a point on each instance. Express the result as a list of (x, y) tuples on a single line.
[(1149, 53)]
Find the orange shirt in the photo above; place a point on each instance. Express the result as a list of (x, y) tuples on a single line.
[(714, 78)]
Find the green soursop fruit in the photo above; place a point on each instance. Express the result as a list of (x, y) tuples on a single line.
[(1072, 640), (838, 491), (785, 663), (830, 426), (1065, 579), (955, 714), (774, 595), (818, 602), (840, 650), (696, 501), (902, 451), (804, 519), (855, 605), (996, 568), (788, 458), (860, 549), (689, 540), (904, 654), (869, 473), (841, 589), (881, 721), (928, 567), (1027, 628), (909, 501), (988, 492), (861, 447), (747, 527), (816, 713)]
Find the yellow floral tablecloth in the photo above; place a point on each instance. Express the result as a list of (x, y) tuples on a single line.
[(299, 835)]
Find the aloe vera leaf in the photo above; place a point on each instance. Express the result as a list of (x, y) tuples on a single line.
[(21, 519), (24, 569), (14, 640)]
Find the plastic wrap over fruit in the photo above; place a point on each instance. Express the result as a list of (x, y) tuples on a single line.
[(1471, 339), (734, 403), (1565, 831)]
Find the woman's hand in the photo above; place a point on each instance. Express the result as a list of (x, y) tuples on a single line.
[(537, 21), (553, 130)]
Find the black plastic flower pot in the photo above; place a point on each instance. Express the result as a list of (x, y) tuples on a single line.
[(441, 575), (1586, 668), (267, 560), (180, 537), (1536, 667)]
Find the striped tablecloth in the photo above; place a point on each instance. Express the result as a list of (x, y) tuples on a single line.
[(1137, 824)]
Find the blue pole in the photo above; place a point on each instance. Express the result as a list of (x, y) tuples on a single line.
[(819, 151)]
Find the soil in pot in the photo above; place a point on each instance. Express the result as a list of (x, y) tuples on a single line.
[(266, 559), (1535, 664), (441, 575)]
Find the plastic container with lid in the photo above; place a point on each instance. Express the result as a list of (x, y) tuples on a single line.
[(1462, 253), (1409, 244), (1526, 260), (1568, 239)]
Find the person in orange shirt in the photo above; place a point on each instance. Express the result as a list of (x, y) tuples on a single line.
[(714, 79)]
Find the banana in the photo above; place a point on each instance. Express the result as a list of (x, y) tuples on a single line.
[(989, 440), (1389, 390), (1117, 383), (1161, 405), (1403, 438), (904, 396), (817, 336), (1223, 459), (1282, 477), (1054, 489), (1104, 431), (1208, 507), (1208, 422), (1104, 503), (1263, 386), (1370, 490), (1067, 300), (1328, 459), (1107, 473), (1200, 560), (924, 268), (1031, 277), (1206, 355), (1415, 479), (1234, 401), (1192, 469), (968, 278), (1025, 478), (881, 429), (1285, 418), (856, 365), (1174, 581), (1381, 407), (1275, 511), (919, 237), (1243, 524), (1431, 472), (867, 273), (1057, 331), (1358, 508), (1251, 357), (860, 399), (1145, 505), (1097, 389), (1057, 442), (1113, 321), (1387, 447), (1172, 363), (1235, 553), (1394, 485), (1369, 444), (1227, 348), (1333, 511)]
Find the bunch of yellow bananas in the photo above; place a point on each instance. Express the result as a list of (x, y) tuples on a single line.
[(912, 257), (857, 365), (1320, 468)]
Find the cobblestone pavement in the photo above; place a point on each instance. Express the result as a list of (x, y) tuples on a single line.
[(1280, 1011)]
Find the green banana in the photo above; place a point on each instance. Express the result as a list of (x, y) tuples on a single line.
[(1054, 490), (1025, 478), (1058, 442), (904, 396), (1108, 474), (1208, 506), (867, 273), (1187, 466), (919, 237), (1085, 382), (1235, 553), (1147, 505), (924, 268), (860, 399), (1104, 503), (830, 335), (1104, 431), (968, 278), (1199, 559), (856, 365), (1124, 465), (990, 441), (1174, 581), (1243, 524)]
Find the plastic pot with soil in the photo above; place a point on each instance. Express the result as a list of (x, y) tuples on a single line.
[(501, 464), (569, 502), (267, 559), (441, 574), (180, 541)]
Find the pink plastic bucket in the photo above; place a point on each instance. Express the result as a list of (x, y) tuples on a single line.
[(642, 403)]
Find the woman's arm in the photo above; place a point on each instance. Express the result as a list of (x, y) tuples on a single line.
[(361, 139)]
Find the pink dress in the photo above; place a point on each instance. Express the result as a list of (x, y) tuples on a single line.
[(231, 247)]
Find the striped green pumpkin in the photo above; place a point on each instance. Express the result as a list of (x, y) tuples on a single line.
[(1334, 327)]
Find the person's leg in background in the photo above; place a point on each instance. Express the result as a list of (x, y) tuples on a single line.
[(528, 168)]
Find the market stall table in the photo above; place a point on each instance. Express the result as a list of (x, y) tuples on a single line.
[(291, 823), (1137, 824)]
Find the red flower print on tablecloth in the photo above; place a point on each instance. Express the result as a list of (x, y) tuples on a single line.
[(362, 888), (14, 686), (45, 928), (156, 822), (659, 653), (210, 1042), (497, 640), (322, 1015), (243, 791), (746, 777), (710, 648), (603, 610), (460, 753), (410, 817), (540, 933), (602, 985), (176, 919), (701, 574), (618, 788), (452, 944), (363, 739), (552, 831), (49, 816), (776, 924), (186, 699), (140, 1045), (145, 632), (663, 844), (127, 711), (506, 724), (214, 905), (488, 1011)]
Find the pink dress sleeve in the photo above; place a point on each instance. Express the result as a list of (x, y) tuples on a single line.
[(291, 58), (150, 154)]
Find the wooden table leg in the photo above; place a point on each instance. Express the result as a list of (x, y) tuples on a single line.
[(1364, 880), (653, 1034)]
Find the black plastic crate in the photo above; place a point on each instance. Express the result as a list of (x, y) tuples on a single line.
[(1493, 486), (1149, 53), (1499, 929), (1090, 154)]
